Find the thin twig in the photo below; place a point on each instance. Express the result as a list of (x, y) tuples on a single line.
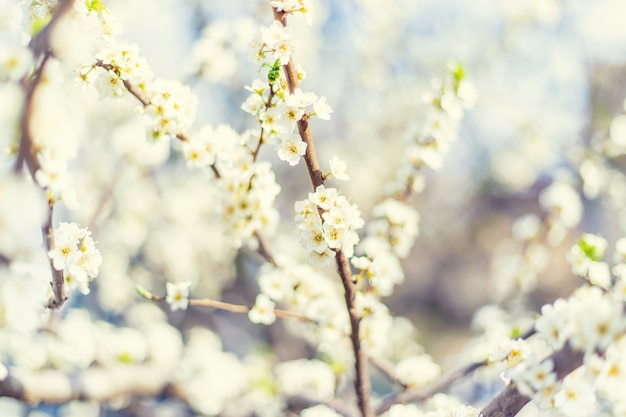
[(387, 368), (221, 305), (361, 382), (268, 104), (421, 394), (264, 249), (59, 296)]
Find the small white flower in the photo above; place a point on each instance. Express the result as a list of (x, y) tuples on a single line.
[(312, 236), (322, 258), (599, 274), (575, 398), (322, 109), (15, 61), (300, 99), (561, 198), (263, 310), (292, 114), (620, 251), (253, 104), (324, 197), (417, 371), (360, 262), (178, 295), (290, 148), (338, 169), (334, 236), (526, 227)]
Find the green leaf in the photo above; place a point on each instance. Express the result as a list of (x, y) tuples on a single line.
[(95, 6), (457, 71), (516, 332), (39, 23), (590, 251)]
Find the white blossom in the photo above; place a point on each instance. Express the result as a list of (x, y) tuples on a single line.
[(177, 295)]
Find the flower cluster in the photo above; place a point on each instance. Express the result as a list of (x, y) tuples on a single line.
[(306, 377), (293, 6), (382, 270), (585, 258), (591, 321), (171, 110), (248, 187), (278, 111), (561, 200), (168, 107), (118, 62), (536, 380), (263, 310), (248, 200), (417, 371), (317, 297), (393, 228), (327, 222), (276, 107), (517, 274), (74, 252), (450, 96), (274, 42)]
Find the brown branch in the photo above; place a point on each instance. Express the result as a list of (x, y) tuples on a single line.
[(39, 46), (509, 402), (221, 305), (27, 153), (387, 368), (361, 383), (315, 173), (268, 104), (264, 249), (59, 296)]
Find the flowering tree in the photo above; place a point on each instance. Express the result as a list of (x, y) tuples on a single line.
[(132, 233)]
